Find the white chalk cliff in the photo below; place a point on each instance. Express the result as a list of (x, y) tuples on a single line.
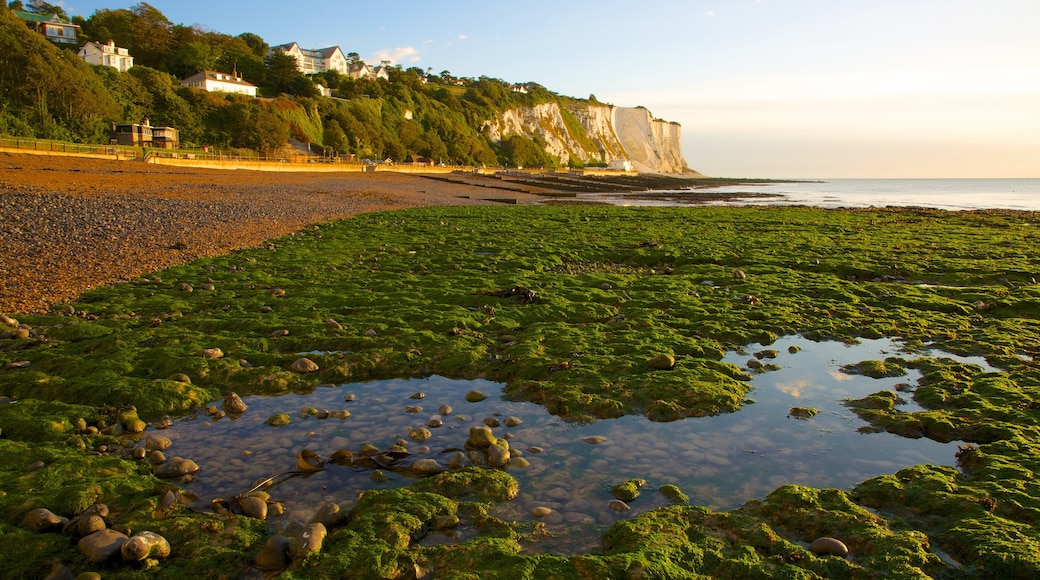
[(597, 133)]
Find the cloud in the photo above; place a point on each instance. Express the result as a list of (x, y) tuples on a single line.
[(463, 37), (398, 55)]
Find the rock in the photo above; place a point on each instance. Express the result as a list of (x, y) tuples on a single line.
[(16, 334), (8, 321), (512, 421), (417, 396), (135, 426), (154, 441), (618, 505), (445, 410), (144, 545), (156, 457), (413, 409), (541, 512), (59, 572), (420, 434), (253, 507), (803, 412), (480, 436), (519, 462), (492, 422), (176, 467), (457, 460), (498, 454), (310, 541), (303, 365), (829, 547), (435, 422), (427, 466), (446, 522), (330, 323), (474, 397), (84, 525), (674, 494), (43, 520), (594, 439), (233, 404), (184, 287), (627, 490), (18, 364), (277, 292), (101, 545), (275, 553), (280, 332), (662, 362), (330, 515), (211, 353), (265, 309), (739, 275), (36, 466), (279, 420)]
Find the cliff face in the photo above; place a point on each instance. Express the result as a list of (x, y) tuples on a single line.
[(597, 133)]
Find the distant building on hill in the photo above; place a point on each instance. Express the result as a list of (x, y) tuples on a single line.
[(143, 134), (363, 71), (53, 27), (107, 55), (218, 82), (318, 60)]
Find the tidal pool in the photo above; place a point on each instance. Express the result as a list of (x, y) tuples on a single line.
[(719, 462)]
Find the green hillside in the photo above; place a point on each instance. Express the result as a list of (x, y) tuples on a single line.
[(47, 92)]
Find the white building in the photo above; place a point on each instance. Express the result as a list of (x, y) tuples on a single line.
[(217, 82), (315, 61), (107, 55)]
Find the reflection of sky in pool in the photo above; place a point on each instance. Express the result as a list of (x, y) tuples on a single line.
[(720, 462)]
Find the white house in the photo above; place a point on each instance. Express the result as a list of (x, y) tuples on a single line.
[(363, 71), (51, 26), (107, 55), (620, 165), (217, 82), (315, 61)]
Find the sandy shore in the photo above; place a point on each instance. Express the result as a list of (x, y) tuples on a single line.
[(70, 224)]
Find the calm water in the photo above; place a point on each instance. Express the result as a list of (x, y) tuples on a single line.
[(950, 194), (720, 462)]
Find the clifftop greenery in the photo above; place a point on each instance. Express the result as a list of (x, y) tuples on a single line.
[(47, 92)]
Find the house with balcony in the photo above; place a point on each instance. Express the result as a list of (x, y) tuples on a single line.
[(312, 61), (53, 27), (107, 55), (218, 82), (143, 134)]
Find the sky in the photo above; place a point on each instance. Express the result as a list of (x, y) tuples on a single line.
[(762, 88)]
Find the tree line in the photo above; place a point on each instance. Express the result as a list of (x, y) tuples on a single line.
[(46, 91)]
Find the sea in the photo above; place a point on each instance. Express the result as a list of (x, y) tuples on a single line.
[(947, 194)]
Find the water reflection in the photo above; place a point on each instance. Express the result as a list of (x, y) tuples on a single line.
[(720, 462)]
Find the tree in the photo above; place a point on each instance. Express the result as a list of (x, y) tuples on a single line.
[(281, 71), (255, 43), (334, 137)]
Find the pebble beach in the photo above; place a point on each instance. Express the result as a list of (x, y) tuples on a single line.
[(70, 224)]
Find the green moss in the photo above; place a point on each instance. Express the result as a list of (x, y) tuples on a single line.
[(627, 490)]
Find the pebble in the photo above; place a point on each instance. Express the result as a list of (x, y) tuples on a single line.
[(154, 441), (101, 545), (310, 541), (829, 547), (512, 421), (541, 511), (662, 362), (275, 553), (303, 365), (176, 467), (43, 520), (473, 397), (618, 505), (211, 353), (444, 410), (144, 545), (254, 507), (427, 466), (594, 439)]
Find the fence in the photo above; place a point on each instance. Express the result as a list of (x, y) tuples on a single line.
[(25, 144)]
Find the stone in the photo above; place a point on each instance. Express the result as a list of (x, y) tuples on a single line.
[(826, 546), (427, 466), (512, 421), (492, 422), (310, 541), (498, 454), (101, 545), (473, 397), (662, 362), (413, 409), (330, 515), (211, 353), (43, 520), (280, 332), (156, 457), (233, 404), (135, 426), (444, 410), (446, 522), (480, 436), (519, 462), (674, 494), (803, 412), (420, 434), (541, 512), (627, 490), (618, 505), (144, 545), (176, 467), (739, 275), (279, 420), (59, 572), (275, 553), (303, 365), (277, 292), (253, 507), (154, 441), (184, 287), (330, 323), (84, 525), (417, 396), (435, 422), (594, 439), (7, 320)]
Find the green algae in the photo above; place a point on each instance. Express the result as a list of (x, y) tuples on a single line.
[(412, 293)]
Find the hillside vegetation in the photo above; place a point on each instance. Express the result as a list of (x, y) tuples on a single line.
[(47, 92)]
